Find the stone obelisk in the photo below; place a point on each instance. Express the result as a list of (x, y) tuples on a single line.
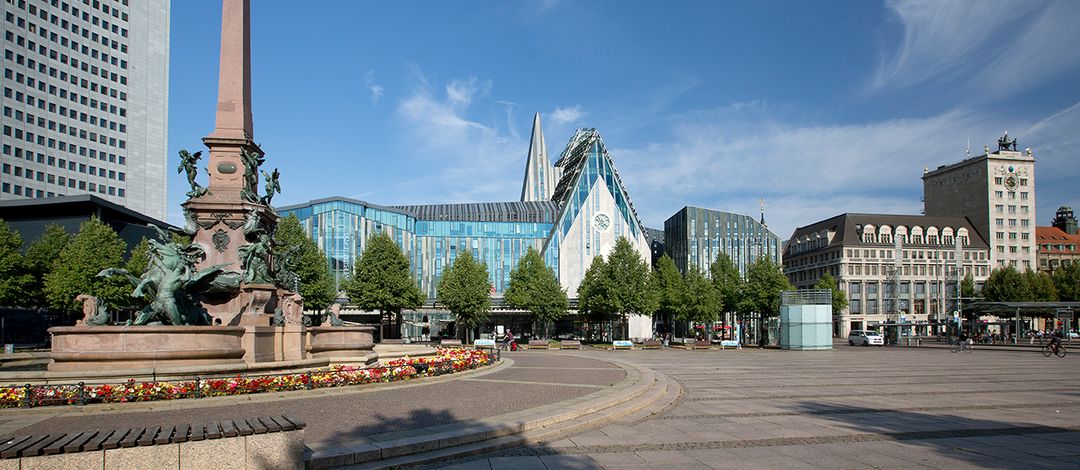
[(229, 215)]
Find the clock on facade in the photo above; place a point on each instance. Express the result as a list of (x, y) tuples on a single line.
[(1010, 182), (601, 222)]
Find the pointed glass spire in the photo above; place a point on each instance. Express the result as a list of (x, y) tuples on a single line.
[(537, 185)]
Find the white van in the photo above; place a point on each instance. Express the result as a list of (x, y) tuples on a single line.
[(865, 338)]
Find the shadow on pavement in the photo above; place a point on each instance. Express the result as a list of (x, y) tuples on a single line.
[(982, 442)]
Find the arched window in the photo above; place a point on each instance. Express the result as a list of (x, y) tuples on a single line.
[(885, 234), (963, 234), (869, 234), (932, 236), (916, 235), (901, 233)]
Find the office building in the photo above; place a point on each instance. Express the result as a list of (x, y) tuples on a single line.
[(695, 237), (85, 101), (895, 269), (996, 192)]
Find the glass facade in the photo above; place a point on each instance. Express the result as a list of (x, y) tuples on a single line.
[(497, 234), (696, 236)]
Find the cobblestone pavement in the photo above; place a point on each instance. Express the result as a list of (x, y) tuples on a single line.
[(887, 408), (534, 379)]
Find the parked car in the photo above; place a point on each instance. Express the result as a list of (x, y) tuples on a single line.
[(865, 338)]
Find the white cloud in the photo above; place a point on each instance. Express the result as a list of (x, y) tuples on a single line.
[(470, 160), (563, 116), (726, 161), (375, 88), (997, 47)]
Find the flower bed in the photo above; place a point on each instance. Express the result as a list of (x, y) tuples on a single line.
[(447, 361)]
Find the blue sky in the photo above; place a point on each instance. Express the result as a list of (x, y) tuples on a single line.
[(818, 107)]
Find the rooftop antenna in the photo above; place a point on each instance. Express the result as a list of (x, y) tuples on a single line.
[(761, 202), (969, 148)]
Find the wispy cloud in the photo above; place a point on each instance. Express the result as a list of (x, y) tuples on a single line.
[(726, 161), (375, 88), (474, 160), (997, 47), (568, 115)]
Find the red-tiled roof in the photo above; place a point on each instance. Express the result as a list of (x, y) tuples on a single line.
[(1056, 237)]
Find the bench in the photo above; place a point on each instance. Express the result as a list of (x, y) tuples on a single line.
[(450, 343), (617, 345), (701, 345), (538, 344), (570, 344), (276, 441), (651, 344)]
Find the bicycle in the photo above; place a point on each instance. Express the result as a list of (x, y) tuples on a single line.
[(1060, 350), (957, 346)]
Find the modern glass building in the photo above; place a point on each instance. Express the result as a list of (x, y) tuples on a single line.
[(694, 237), (431, 236)]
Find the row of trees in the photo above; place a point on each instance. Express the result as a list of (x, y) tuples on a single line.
[(1010, 285), (59, 266)]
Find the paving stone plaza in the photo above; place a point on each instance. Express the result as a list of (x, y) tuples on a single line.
[(845, 408)]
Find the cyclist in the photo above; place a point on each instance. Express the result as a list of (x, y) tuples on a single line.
[(1055, 340), (963, 340), (508, 341)]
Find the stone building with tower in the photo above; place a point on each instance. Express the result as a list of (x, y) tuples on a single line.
[(996, 192), (1059, 244), (85, 101)]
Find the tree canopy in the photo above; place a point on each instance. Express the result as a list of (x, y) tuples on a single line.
[(534, 287), (628, 276), (41, 257), (15, 280), (1041, 286), (1006, 285), (381, 280), (464, 290), (669, 289), (594, 303), (1067, 282), (728, 283), (701, 302), (967, 287), (94, 248), (839, 299), (764, 282), (307, 261)]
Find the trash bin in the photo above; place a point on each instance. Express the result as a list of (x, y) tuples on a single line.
[(9, 348)]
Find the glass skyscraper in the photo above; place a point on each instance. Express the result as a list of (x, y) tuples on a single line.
[(694, 237)]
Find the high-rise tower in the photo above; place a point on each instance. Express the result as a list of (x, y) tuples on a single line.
[(85, 102), (539, 181)]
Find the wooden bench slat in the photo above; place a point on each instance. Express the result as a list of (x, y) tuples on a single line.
[(296, 422), (37, 448), (58, 446), (114, 440), (181, 434), (258, 427), (12, 442), (14, 450), (98, 441), (164, 435), (213, 430), (77, 444), (228, 428), (148, 437), (132, 439), (198, 432), (243, 427), (271, 425)]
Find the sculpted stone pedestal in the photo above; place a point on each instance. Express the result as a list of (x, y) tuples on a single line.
[(341, 341), (80, 348)]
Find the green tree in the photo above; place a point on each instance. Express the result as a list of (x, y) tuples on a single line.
[(94, 248), (464, 290), (628, 275), (381, 280), (728, 283), (1006, 285), (137, 264), (307, 261), (701, 302), (41, 258), (1067, 282), (534, 287), (593, 300), (839, 299), (967, 288), (764, 282), (669, 290), (15, 278), (1040, 286)]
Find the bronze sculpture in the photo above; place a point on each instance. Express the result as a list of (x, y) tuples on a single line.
[(187, 165)]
